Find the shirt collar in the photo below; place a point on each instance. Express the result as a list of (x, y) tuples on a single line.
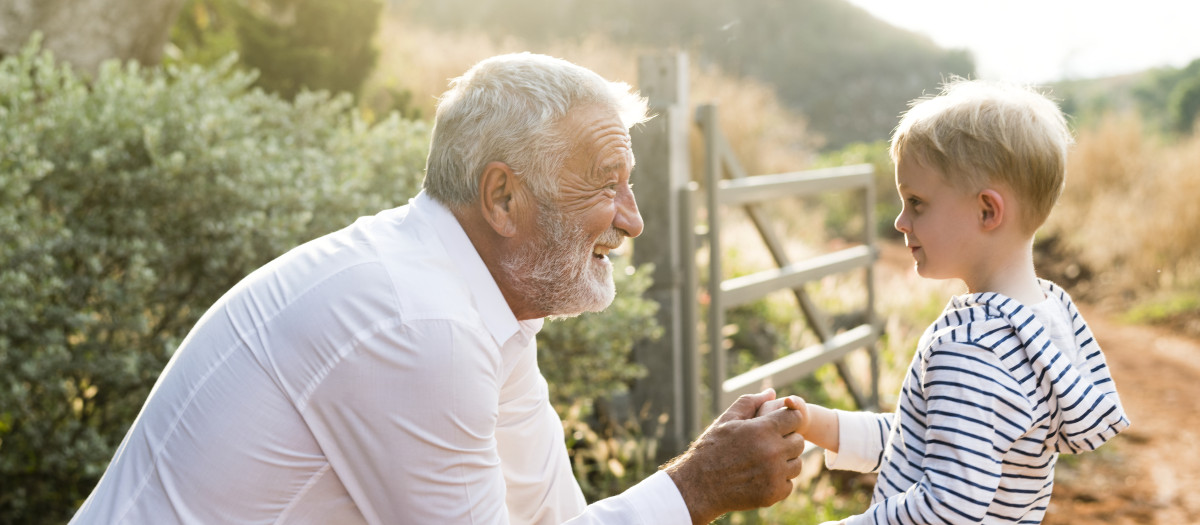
[(493, 309)]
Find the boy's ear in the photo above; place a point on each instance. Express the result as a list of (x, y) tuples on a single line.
[(497, 190), (991, 209)]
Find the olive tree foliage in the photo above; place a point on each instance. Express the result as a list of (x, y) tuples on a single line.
[(129, 202), (128, 205), (293, 44), (88, 32)]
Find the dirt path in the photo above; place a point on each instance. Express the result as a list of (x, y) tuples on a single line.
[(1151, 472)]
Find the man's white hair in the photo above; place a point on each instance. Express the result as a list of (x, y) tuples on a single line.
[(507, 108)]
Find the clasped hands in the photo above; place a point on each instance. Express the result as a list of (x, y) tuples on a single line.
[(745, 460)]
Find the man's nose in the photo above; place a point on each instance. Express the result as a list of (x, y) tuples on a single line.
[(628, 218)]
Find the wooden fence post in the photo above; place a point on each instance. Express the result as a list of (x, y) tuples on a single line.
[(661, 177)]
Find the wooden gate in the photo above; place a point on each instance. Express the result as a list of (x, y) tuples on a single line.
[(748, 192), (669, 200)]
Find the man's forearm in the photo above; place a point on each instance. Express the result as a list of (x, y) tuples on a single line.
[(740, 462), (700, 506)]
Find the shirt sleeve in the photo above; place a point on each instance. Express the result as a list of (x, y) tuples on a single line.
[(973, 415), (656, 500), (861, 439), (407, 421), (541, 484), (537, 469)]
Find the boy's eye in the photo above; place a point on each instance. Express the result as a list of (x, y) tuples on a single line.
[(913, 201)]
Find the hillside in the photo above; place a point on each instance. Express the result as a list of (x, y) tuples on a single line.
[(1167, 99), (849, 73)]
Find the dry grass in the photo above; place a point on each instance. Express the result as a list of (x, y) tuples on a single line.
[(766, 135), (1129, 209)]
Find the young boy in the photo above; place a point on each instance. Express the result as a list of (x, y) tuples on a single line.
[(1009, 376)]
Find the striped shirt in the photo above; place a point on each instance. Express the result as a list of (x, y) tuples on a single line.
[(990, 400)]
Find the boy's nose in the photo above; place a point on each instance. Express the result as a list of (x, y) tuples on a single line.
[(901, 224)]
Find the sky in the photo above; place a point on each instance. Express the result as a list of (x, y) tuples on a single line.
[(1037, 41)]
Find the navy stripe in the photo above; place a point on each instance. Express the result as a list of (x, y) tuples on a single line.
[(1029, 505), (1059, 377), (1020, 476), (960, 401), (964, 498), (888, 480), (1083, 396), (973, 389), (950, 430), (997, 344), (1095, 423), (961, 479), (985, 423), (1026, 454), (883, 432), (1046, 464), (961, 448), (994, 330), (973, 373), (1026, 322)]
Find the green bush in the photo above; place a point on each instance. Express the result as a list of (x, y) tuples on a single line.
[(587, 358), (127, 206), (1169, 98), (309, 44), (131, 202), (1183, 105)]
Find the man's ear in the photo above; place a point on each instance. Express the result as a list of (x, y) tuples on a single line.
[(497, 190), (991, 209)]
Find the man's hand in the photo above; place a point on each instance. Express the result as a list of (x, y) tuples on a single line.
[(740, 462)]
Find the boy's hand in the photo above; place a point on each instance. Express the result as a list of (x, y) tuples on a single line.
[(787, 403)]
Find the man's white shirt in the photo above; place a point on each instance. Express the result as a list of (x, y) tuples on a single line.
[(373, 375)]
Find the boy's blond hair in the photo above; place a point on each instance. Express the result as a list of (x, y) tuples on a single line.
[(976, 132)]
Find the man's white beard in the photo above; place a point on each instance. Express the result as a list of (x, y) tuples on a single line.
[(556, 274)]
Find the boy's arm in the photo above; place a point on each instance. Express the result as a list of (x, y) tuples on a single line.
[(971, 420), (861, 439), (852, 440), (821, 427)]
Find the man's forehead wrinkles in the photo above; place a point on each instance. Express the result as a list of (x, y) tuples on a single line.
[(605, 170), (617, 165)]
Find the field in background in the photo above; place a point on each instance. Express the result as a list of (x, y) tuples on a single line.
[(417, 63), (1129, 222)]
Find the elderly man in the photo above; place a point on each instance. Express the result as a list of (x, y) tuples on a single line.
[(386, 373)]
